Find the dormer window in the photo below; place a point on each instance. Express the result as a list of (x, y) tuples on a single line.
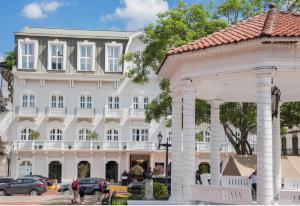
[(113, 52), (57, 52), (27, 54), (86, 56)]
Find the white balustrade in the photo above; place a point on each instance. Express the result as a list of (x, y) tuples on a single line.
[(235, 181), (85, 112), (26, 111), (56, 112), (291, 184), (137, 113), (113, 113)]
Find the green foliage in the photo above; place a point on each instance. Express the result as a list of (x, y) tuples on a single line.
[(92, 135), (199, 137), (202, 112), (160, 191), (290, 115), (35, 134), (137, 170), (119, 201), (10, 60), (158, 170)]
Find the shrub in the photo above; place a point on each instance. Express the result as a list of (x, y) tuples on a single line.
[(137, 170), (158, 170), (160, 191)]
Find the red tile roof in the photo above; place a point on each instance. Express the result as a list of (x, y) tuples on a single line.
[(270, 24)]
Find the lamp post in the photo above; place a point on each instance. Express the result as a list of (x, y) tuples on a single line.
[(275, 101), (166, 145)]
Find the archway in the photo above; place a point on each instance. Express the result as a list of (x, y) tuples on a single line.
[(283, 145), (25, 168), (111, 171), (204, 168), (295, 145), (83, 169), (55, 169)]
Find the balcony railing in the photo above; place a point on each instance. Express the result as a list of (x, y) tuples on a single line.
[(102, 145), (85, 112), (113, 113), (290, 152), (137, 113), (26, 111), (56, 112)]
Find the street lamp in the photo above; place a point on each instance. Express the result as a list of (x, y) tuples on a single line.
[(275, 101), (166, 145)]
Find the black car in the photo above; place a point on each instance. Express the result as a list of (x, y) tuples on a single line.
[(136, 187), (90, 184), (24, 185), (6, 179)]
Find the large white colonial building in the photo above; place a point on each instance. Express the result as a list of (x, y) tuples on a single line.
[(68, 84)]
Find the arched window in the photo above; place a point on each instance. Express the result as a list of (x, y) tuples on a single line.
[(112, 135), (85, 101), (28, 100), (283, 145), (113, 102), (26, 134), (135, 102), (56, 134), (84, 134), (295, 144), (146, 101), (57, 101)]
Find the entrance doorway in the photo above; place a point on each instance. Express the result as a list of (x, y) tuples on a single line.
[(55, 169), (83, 169), (111, 171)]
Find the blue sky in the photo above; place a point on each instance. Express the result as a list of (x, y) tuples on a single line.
[(86, 14)]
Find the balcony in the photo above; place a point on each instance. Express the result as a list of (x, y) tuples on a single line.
[(85, 113), (113, 113), (290, 152), (26, 112), (56, 112), (205, 147), (137, 114)]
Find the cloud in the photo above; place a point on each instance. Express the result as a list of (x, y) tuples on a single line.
[(36, 10), (137, 13)]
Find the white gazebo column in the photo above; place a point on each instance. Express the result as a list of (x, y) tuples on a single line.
[(215, 143), (176, 168), (188, 155), (264, 138), (276, 155)]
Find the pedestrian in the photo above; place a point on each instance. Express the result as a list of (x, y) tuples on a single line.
[(105, 188), (75, 187), (253, 183), (81, 194), (198, 177), (100, 188)]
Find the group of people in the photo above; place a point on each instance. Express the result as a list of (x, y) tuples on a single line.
[(103, 188)]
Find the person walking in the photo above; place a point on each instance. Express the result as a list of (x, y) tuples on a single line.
[(100, 188), (198, 177), (253, 183), (75, 187), (81, 194)]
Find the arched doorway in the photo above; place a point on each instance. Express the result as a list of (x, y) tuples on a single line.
[(111, 171), (295, 145), (55, 169), (283, 145), (204, 168), (83, 169), (25, 168)]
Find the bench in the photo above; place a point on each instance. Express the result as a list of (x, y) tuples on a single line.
[(289, 197), (291, 184), (222, 195)]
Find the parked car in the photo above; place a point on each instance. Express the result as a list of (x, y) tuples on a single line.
[(41, 178), (136, 187), (91, 185), (6, 179), (25, 185)]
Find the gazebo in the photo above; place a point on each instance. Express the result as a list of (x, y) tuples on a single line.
[(238, 64)]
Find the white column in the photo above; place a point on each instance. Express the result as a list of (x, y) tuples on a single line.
[(215, 143), (264, 138), (188, 155), (276, 155), (176, 170)]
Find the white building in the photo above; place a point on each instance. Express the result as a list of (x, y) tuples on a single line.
[(67, 84)]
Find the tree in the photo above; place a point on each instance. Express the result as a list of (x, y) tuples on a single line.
[(10, 62), (289, 116)]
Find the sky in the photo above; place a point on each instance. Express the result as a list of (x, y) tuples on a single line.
[(84, 14)]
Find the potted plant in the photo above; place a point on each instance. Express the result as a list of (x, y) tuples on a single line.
[(93, 135), (35, 135), (158, 170), (137, 172)]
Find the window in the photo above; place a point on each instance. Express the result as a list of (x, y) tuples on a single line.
[(84, 134), (169, 136), (57, 101), (113, 53), (140, 134), (112, 135), (57, 52), (146, 101), (26, 134), (55, 134), (27, 54), (86, 56), (135, 103), (85, 102), (28, 100), (113, 103)]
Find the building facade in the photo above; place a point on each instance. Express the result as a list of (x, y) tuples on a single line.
[(76, 114)]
